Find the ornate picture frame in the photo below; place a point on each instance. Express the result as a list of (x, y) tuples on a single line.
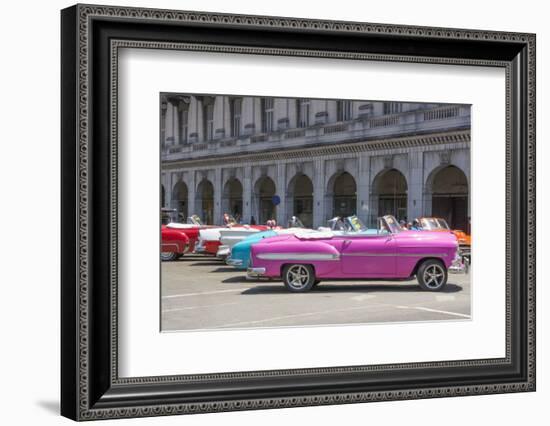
[(91, 387)]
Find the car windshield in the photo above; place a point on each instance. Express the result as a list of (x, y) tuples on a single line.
[(295, 222), (229, 220), (353, 223), (389, 224), (433, 223), (194, 220), (336, 224), (168, 215)]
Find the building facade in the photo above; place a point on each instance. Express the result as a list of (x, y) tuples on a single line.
[(271, 158)]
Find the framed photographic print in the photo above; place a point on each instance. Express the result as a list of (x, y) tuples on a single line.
[(264, 212)]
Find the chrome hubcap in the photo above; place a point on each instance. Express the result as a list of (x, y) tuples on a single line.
[(434, 276), (166, 255), (297, 276)]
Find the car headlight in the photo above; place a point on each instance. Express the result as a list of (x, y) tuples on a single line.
[(457, 255)]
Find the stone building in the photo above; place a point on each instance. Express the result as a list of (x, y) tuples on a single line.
[(261, 158)]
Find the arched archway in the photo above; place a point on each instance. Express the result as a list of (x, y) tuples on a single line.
[(232, 201), (300, 199), (205, 201), (448, 189), (389, 194), (342, 195), (179, 200), (264, 190)]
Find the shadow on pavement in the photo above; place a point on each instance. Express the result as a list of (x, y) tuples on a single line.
[(331, 288), (241, 279), (224, 269), (200, 259), (207, 263)]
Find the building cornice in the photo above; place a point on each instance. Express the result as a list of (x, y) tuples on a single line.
[(309, 152)]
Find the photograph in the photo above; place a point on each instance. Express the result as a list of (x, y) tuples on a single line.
[(299, 212), (264, 210)]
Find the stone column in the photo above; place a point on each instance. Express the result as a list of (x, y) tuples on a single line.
[(171, 178), (257, 115), (169, 126), (218, 196), (247, 193), (318, 193), (292, 112), (219, 117), (280, 190), (192, 120), (199, 120), (226, 116), (176, 121), (247, 115), (167, 183), (331, 110), (363, 188), (415, 186), (191, 194)]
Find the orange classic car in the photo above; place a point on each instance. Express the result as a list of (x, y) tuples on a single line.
[(440, 224)]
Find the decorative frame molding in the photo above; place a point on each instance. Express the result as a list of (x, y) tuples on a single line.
[(91, 388)]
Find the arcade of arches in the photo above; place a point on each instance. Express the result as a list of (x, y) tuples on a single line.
[(300, 199), (205, 200), (389, 195), (445, 193), (179, 200), (448, 189), (264, 191), (342, 195), (232, 201)]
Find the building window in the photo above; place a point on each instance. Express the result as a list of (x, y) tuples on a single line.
[(392, 107), (235, 110), (183, 121), (208, 120), (267, 115), (163, 108), (302, 113), (343, 110)]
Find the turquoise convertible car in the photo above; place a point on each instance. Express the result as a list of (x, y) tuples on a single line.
[(240, 252)]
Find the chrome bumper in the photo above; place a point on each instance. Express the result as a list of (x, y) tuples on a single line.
[(234, 262), (458, 266), (255, 272), (223, 251), (199, 247), (458, 269)]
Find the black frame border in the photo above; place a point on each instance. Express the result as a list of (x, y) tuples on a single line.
[(90, 388)]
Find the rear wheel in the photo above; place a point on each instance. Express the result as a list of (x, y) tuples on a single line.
[(167, 256), (298, 278), (432, 275)]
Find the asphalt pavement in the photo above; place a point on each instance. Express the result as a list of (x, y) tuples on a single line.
[(200, 292)]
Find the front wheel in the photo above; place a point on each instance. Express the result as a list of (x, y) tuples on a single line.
[(298, 278), (168, 256), (432, 275)]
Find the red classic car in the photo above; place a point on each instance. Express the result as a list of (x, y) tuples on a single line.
[(174, 243), (191, 229)]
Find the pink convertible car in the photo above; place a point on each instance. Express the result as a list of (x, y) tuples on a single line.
[(389, 253)]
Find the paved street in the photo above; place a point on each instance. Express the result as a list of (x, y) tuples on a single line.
[(203, 293)]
